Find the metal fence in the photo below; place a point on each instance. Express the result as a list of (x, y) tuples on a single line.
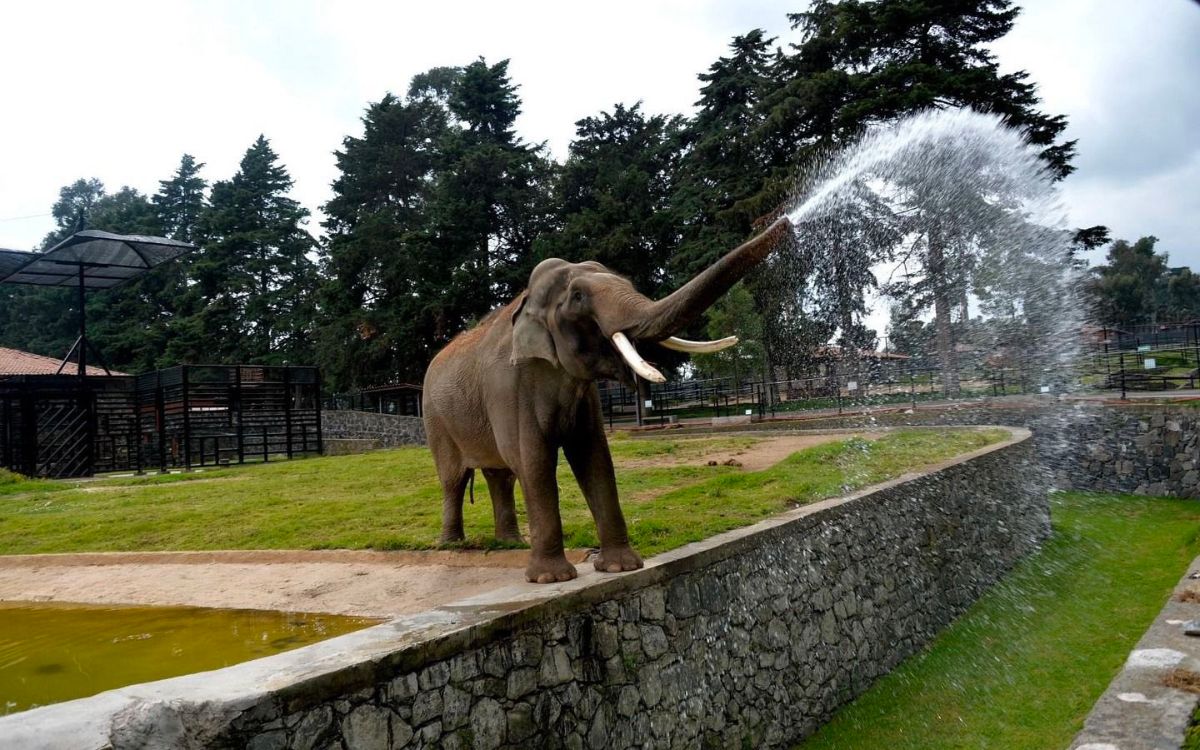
[(830, 394), (181, 417)]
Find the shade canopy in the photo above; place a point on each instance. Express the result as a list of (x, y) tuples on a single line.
[(106, 260), (11, 260)]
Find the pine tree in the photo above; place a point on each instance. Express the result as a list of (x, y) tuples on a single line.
[(252, 296), (180, 200), (614, 196), (374, 326), (863, 63), (487, 207), (718, 193)]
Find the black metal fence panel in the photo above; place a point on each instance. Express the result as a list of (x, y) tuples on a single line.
[(180, 417)]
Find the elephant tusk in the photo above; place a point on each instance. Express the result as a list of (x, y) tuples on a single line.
[(639, 365), (698, 347)]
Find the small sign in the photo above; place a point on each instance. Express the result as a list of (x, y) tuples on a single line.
[(649, 404), (1150, 364), (749, 412), (1143, 347), (852, 385), (1045, 389)]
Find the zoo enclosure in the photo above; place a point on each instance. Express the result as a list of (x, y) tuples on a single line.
[(62, 426)]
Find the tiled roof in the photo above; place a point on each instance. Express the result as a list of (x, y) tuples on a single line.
[(17, 362)]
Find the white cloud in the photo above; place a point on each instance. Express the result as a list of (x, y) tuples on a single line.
[(119, 90)]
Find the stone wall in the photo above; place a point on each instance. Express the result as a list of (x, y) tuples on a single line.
[(748, 639), (381, 430)]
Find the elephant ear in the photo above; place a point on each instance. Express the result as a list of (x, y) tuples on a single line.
[(531, 338)]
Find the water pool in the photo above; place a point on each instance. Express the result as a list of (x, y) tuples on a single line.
[(51, 652)]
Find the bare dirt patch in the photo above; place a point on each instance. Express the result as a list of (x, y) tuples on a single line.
[(763, 454), (373, 584)]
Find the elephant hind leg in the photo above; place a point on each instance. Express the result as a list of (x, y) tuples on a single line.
[(500, 484), (453, 476), (452, 506)]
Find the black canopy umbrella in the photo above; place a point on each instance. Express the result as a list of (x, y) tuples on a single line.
[(90, 259)]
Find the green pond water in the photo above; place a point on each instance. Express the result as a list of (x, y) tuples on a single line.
[(51, 652)]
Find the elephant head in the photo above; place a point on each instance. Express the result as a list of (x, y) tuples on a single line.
[(589, 321)]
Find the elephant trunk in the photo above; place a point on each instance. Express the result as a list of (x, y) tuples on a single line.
[(676, 311)]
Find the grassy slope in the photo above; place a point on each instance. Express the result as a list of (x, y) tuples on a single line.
[(1023, 667), (390, 499)]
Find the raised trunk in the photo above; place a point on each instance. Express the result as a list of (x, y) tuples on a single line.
[(676, 311)]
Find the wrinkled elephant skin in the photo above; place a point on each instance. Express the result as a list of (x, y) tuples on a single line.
[(507, 395)]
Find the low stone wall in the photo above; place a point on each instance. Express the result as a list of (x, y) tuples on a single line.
[(382, 430), (1147, 449), (749, 639)]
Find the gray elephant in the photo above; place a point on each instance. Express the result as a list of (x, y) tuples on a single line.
[(507, 395)]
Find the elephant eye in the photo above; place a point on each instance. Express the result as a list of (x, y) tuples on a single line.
[(577, 296)]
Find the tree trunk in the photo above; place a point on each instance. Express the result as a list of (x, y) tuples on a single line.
[(941, 309)]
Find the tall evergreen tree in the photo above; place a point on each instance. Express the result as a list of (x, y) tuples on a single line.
[(1131, 288), (722, 174), (614, 196), (180, 200), (252, 296), (862, 63), (374, 324), (487, 206)]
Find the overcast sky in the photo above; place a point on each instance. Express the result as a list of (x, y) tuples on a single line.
[(120, 90)]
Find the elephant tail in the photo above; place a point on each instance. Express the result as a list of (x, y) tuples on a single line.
[(471, 485)]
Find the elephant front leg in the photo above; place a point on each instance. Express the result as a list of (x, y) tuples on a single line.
[(547, 559), (591, 462)]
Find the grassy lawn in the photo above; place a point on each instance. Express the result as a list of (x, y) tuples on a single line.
[(391, 500), (1023, 667)]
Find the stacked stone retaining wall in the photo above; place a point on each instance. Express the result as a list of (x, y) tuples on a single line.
[(752, 638), (353, 431)]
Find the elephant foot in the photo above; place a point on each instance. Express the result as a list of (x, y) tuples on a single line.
[(617, 559), (451, 537), (549, 569), (513, 537)]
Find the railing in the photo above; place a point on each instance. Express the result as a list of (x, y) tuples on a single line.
[(830, 394)]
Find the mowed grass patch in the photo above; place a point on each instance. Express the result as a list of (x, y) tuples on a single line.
[(14, 484), (392, 500), (1023, 667)]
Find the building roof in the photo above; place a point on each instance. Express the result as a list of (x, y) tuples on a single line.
[(17, 362)]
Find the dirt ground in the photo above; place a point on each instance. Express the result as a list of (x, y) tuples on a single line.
[(762, 455), (365, 583)]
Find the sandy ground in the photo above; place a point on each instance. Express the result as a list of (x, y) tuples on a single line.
[(375, 584)]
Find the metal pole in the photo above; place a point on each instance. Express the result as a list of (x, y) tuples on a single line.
[(287, 408), (187, 420), (1122, 376), (320, 427), (160, 416), (237, 401), (82, 327)]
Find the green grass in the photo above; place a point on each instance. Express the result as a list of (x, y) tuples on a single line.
[(391, 499), (1024, 666), (13, 484)]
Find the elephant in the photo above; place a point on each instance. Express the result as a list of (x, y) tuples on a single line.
[(505, 396)]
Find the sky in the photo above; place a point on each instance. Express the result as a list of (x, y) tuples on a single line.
[(119, 90)]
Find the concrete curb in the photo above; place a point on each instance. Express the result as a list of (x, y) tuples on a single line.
[(1139, 711)]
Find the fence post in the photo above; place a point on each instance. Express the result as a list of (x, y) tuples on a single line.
[(187, 421), (237, 400), (287, 408), (1122, 376), (160, 408), (321, 411)]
